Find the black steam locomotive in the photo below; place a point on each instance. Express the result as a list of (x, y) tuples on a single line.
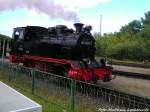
[(59, 50), (55, 42)]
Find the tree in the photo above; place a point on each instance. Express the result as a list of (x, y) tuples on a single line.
[(132, 28), (146, 20), (120, 45), (145, 33)]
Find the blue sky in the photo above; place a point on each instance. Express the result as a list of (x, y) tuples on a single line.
[(115, 13)]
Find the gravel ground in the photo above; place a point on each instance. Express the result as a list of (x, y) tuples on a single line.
[(133, 86)]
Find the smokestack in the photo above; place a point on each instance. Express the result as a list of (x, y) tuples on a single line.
[(49, 7), (78, 27)]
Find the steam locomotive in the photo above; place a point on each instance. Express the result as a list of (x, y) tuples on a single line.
[(59, 50)]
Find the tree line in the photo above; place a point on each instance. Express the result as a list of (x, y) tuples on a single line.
[(131, 42)]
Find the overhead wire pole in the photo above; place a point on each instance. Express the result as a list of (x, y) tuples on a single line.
[(100, 29)]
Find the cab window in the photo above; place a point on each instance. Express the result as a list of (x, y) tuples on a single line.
[(18, 35)]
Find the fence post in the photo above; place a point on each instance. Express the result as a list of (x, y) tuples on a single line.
[(9, 77), (72, 97), (3, 52), (33, 79)]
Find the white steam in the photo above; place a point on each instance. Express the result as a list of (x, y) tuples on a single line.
[(49, 7)]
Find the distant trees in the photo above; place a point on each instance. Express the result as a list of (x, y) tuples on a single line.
[(132, 28), (145, 33), (4, 37), (131, 42)]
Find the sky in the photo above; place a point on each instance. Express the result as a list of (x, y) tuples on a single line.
[(46, 13)]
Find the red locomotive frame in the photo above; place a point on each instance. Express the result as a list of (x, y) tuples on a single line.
[(73, 71)]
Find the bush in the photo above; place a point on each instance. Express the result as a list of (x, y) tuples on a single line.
[(124, 48)]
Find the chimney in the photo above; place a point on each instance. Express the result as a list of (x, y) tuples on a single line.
[(78, 27)]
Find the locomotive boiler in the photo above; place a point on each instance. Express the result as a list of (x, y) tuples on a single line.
[(55, 42)]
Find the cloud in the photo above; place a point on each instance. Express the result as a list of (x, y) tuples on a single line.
[(48, 7), (64, 9), (74, 4)]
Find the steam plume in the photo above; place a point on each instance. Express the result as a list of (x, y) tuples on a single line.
[(45, 6)]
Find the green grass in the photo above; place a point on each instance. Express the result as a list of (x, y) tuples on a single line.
[(24, 88), (128, 61), (125, 60), (56, 102)]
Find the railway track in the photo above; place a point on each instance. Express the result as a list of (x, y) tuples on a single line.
[(130, 64), (136, 72), (115, 97), (133, 75)]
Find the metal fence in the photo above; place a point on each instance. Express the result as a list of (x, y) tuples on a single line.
[(63, 94)]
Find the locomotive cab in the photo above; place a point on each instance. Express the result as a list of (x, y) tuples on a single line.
[(16, 46), (29, 32), (25, 37)]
